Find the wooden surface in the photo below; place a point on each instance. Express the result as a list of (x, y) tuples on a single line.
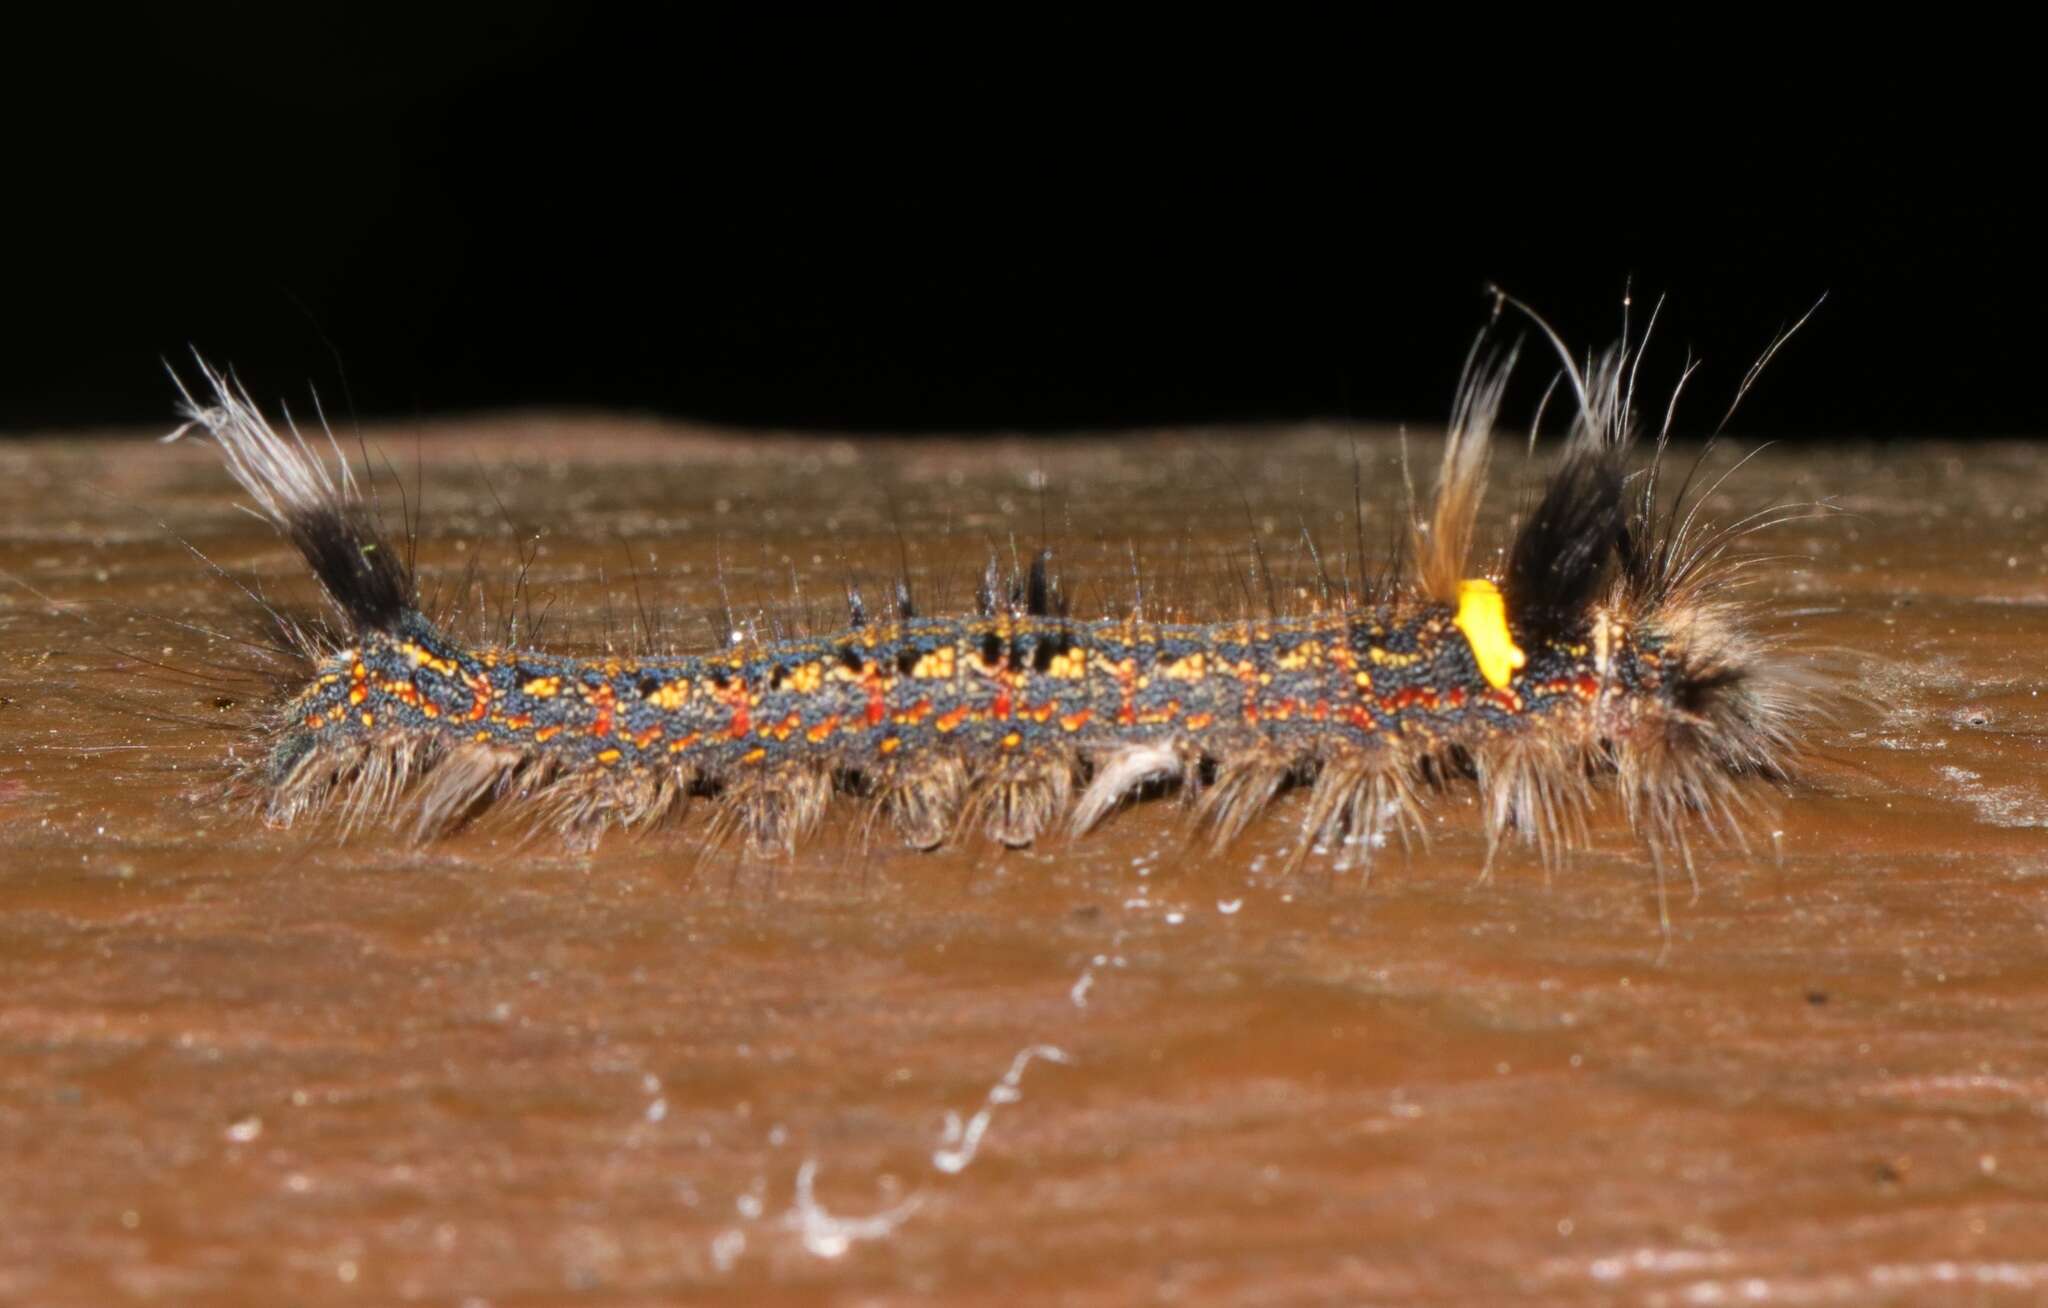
[(252, 1066)]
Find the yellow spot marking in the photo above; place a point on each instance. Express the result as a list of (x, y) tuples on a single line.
[(889, 745), (1483, 617), (542, 687), (608, 756), (1308, 654), (545, 734), (1192, 668), (1012, 740), (671, 696), (753, 756), (935, 666), (481, 737), (421, 657), (369, 718), (358, 693), (1070, 666), (805, 679)]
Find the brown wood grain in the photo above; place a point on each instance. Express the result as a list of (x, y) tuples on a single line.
[(249, 1066)]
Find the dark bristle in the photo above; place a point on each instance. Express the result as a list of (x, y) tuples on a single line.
[(366, 578), (1038, 588), (856, 608), (1693, 691), (1048, 648), (1561, 554)]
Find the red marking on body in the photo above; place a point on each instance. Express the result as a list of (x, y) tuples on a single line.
[(599, 697), (1166, 714), (480, 697), (1248, 678), (649, 736), (823, 731), (916, 713)]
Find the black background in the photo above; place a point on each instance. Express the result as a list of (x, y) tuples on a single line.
[(901, 222)]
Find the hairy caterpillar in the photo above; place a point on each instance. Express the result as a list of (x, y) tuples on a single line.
[(1608, 652)]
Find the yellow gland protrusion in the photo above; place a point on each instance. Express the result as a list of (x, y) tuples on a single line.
[(1483, 617)]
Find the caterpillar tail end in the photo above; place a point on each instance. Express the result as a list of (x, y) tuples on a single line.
[(312, 503)]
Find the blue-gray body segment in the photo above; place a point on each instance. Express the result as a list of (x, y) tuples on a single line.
[(1308, 686)]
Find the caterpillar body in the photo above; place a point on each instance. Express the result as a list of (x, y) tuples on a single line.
[(1608, 652)]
